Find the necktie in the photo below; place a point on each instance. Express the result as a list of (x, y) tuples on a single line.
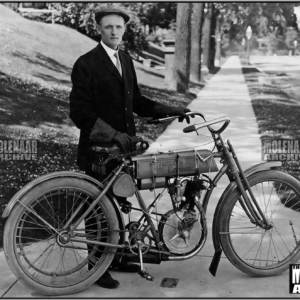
[(118, 64)]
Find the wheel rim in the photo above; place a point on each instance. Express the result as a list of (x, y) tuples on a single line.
[(267, 249), (49, 258)]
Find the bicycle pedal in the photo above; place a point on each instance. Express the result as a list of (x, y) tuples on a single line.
[(145, 275)]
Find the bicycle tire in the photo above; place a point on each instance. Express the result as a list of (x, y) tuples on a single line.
[(41, 258), (251, 249)]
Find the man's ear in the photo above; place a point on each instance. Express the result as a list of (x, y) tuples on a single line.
[(98, 29)]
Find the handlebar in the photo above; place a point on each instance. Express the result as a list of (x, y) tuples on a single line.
[(207, 124), (193, 127), (161, 120)]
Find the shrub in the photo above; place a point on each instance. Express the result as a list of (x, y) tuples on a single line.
[(282, 52)]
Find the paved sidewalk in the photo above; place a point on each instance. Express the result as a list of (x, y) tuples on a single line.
[(225, 94)]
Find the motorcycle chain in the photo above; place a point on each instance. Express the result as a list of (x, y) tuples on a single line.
[(104, 251)]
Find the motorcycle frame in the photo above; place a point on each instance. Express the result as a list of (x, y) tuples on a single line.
[(231, 168)]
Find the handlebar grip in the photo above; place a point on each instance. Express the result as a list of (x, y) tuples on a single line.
[(144, 145), (189, 129)]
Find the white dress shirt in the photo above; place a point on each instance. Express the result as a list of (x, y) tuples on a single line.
[(110, 52)]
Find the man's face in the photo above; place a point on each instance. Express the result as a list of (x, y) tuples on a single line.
[(112, 28)]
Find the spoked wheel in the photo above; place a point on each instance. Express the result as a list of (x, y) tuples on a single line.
[(250, 248), (37, 243)]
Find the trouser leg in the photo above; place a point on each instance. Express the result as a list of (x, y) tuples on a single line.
[(91, 230), (91, 223), (91, 227)]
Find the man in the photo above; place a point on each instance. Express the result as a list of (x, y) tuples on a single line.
[(104, 96)]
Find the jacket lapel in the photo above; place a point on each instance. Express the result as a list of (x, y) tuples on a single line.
[(107, 63)]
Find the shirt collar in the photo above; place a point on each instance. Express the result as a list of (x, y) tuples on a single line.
[(109, 51)]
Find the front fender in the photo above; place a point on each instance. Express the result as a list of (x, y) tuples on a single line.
[(262, 166), (215, 235), (50, 176)]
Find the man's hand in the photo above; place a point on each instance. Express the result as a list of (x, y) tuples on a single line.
[(123, 140), (181, 111), (164, 111)]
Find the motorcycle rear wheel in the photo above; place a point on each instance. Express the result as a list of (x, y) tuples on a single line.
[(45, 260)]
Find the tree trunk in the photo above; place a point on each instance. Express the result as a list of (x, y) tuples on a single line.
[(212, 41), (218, 37), (207, 33), (181, 68), (196, 51)]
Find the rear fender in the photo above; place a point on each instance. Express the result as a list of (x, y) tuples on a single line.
[(23, 191)]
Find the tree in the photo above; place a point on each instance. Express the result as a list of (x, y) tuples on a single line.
[(264, 18), (196, 38), (212, 41), (290, 37), (81, 16), (207, 34), (160, 14), (181, 68)]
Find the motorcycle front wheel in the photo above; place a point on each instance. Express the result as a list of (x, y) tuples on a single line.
[(42, 255), (252, 249)]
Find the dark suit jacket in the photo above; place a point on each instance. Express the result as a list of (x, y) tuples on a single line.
[(100, 92)]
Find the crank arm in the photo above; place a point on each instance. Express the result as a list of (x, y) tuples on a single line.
[(143, 272)]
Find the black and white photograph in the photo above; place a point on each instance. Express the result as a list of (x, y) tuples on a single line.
[(150, 150)]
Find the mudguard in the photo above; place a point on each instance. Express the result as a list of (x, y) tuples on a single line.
[(58, 174), (216, 237)]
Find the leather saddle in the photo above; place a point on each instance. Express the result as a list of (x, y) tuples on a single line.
[(105, 148), (112, 148)]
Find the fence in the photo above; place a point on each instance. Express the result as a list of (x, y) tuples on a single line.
[(23, 9)]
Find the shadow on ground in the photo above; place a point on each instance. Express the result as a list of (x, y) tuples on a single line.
[(44, 61), (50, 78), (19, 108), (151, 72)]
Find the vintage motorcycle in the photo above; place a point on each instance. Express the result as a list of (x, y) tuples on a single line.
[(65, 228)]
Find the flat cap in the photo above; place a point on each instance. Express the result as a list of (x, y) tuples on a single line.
[(111, 11)]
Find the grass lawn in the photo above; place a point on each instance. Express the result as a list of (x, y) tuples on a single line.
[(34, 90), (276, 107)]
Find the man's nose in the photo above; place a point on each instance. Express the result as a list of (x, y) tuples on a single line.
[(113, 31)]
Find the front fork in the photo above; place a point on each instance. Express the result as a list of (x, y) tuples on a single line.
[(255, 216), (253, 212)]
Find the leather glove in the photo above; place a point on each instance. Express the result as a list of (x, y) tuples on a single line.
[(180, 111), (123, 140), (102, 132), (163, 111)]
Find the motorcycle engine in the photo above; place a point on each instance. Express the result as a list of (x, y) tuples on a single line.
[(183, 228)]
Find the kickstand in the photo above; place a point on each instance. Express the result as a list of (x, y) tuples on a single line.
[(143, 272)]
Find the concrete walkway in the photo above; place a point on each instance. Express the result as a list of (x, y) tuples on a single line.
[(225, 94)]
